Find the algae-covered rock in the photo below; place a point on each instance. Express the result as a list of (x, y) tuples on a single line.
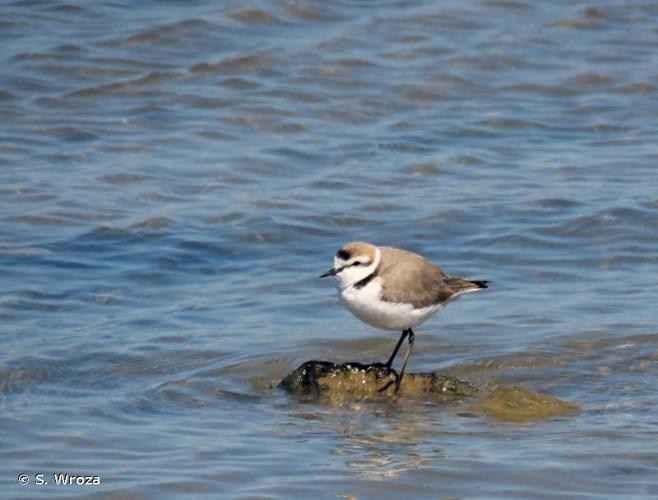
[(340, 382), (368, 381)]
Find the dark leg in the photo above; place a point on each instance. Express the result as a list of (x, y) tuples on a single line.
[(406, 332), (406, 358)]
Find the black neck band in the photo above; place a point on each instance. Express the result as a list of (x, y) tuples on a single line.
[(363, 282)]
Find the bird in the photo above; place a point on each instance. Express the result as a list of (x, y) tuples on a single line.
[(394, 289)]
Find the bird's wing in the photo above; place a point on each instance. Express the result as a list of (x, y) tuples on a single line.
[(410, 278)]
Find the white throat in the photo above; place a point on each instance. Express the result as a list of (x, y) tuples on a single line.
[(353, 274)]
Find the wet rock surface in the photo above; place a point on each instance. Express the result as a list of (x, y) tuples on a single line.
[(368, 381), (340, 382)]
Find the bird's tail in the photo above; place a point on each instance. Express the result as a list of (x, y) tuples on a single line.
[(459, 286)]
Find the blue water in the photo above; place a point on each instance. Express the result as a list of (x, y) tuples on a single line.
[(175, 176)]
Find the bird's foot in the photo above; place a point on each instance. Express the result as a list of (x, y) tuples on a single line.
[(391, 382)]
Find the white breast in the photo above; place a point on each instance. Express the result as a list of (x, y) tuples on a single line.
[(367, 305)]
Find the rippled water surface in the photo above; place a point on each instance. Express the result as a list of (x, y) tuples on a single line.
[(175, 175)]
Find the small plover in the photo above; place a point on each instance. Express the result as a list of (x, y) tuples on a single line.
[(394, 289)]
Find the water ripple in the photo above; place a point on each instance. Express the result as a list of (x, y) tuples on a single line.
[(174, 179)]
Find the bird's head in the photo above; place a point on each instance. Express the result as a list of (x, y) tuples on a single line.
[(353, 262)]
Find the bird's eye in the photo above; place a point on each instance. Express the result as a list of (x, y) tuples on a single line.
[(357, 263)]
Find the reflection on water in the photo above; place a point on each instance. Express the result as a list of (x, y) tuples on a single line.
[(174, 179)]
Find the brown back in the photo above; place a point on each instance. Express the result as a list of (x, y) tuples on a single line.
[(410, 278)]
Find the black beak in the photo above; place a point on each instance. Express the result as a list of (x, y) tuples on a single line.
[(330, 272)]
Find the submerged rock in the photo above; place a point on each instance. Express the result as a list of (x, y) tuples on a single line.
[(340, 382), (515, 404)]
